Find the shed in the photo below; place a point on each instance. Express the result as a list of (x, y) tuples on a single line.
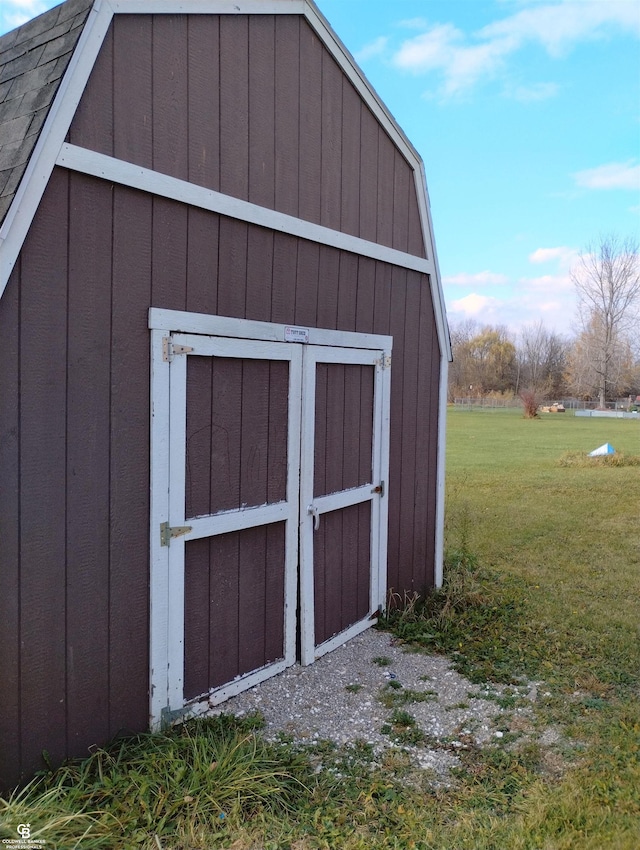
[(224, 353)]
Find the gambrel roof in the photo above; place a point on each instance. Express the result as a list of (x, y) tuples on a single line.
[(44, 68)]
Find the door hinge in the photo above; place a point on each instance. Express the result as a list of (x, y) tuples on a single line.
[(384, 362), (169, 716), (167, 532), (379, 489), (170, 349)]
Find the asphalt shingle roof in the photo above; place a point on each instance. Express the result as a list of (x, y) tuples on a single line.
[(33, 59)]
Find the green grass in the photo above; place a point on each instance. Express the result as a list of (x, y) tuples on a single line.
[(542, 584)]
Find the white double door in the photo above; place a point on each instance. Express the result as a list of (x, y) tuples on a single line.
[(268, 503)]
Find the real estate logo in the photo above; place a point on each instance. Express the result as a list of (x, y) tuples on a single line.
[(25, 842)]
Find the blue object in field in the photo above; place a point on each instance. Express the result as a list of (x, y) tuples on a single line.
[(605, 449)]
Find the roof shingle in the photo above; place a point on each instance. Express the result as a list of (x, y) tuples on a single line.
[(33, 60)]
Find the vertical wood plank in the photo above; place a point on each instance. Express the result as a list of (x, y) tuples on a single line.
[(232, 268), (425, 473), (409, 426), (396, 330), (331, 144), (351, 152), (365, 443), (310, 157), (198, 437), (92, 125), (401, 183), (365, 302), (307, 284), (382, 299), (320, 431), (252, 602), (202, 261), (278, 433), (329, 276), (262, 110), (284, 280), (170, 123), (10, 736), (385, 208), (254, 429), (224, 609), (259, 273), (197, 596), (335, 437), (133, 89), (234, 105), (415, 238), (347, 291), (352, 431), (43, 386), (226, 416), (204, 100), (169, 254), (368, 175), (274, 592), (363, 592), (129, 473), (88, 390), (287, 109)]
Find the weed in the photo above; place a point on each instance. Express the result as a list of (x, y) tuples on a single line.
[(354, 687), (582, 460), (382, 661), (391, 697)]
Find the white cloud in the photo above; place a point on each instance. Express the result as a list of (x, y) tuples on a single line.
[(475, 305), (485, 278), (614, 175), (533, 93), (564, 256), (462, 61), (374, 48)]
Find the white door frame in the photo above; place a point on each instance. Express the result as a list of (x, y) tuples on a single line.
[(174, 336)]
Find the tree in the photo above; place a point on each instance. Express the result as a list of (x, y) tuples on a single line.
[(584, 369), (483, 360), (607, 283), (542, 360)]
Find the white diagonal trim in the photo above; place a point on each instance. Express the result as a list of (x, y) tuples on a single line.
[(136, 177), (34, 181)]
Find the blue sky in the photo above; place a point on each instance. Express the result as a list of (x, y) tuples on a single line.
[(527, 116)]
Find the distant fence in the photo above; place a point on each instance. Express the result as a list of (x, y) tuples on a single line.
[(471, 403)]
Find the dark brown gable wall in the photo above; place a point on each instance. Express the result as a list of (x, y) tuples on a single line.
[(254, 107)]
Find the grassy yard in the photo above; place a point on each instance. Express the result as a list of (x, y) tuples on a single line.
[(543, 586)]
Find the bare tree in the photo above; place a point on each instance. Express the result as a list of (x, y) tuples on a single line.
[(607, 282), (541, 356)]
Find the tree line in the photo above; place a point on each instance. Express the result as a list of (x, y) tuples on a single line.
[(600, 361)]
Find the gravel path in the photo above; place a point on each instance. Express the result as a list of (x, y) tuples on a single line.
[(338, 698)]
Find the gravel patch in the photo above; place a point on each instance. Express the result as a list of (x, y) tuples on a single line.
[(338, 699)]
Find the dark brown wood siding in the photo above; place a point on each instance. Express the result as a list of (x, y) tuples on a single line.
[(74, 433), (255, 107)]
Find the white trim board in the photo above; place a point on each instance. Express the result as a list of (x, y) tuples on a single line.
[(175, 321), (145, 179)]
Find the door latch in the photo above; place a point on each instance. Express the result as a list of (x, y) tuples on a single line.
[(315, 513)]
